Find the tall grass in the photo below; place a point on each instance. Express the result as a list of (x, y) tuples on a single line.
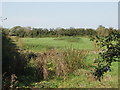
[(20, 43), (59, 62)]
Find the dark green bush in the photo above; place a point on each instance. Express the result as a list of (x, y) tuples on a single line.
[(110, 52)]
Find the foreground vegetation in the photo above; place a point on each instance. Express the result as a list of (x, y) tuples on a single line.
[(54, 62), (79, 74)]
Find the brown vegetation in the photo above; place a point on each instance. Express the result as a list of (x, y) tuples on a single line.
[(59, 62)]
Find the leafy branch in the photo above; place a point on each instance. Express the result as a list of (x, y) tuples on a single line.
[(110, 52)]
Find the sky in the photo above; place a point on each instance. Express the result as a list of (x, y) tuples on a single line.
[(60, 14)]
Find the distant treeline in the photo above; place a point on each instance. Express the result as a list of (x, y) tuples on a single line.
[(40, 32)]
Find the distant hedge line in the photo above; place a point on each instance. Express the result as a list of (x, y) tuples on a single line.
[(40, 32)]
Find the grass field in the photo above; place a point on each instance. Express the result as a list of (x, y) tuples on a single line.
[(42, 44), (81, 78)]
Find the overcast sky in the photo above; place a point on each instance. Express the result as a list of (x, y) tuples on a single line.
[(66, 14)]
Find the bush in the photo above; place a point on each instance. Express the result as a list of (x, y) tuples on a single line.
[(110, 52)]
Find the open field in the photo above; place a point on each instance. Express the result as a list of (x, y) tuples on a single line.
[(42, 44)]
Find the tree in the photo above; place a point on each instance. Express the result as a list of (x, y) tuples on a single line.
[(20, 33), (90, 32), (27, 31), (15, 30), (102, 31), (81, 32)]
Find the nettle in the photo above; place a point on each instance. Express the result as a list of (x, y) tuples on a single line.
[(109, 52)]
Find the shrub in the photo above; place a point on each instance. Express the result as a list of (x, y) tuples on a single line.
[(110, 52)]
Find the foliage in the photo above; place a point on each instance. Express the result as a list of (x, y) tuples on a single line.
[(102, 31), (59, 63), (40, 32), (110, 52), (13, 62), (11, 58), (82, 78), (56, 32)]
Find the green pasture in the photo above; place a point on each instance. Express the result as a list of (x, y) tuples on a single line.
[(42, 44)]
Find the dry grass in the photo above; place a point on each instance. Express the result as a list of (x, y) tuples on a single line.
[(60, 62), (20, 43)]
